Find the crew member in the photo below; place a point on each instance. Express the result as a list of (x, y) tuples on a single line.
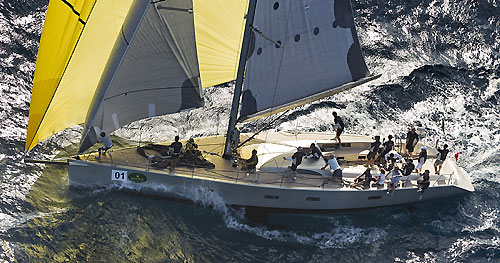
[(334, 166), (442, 153), (176, 150), (339, 126), (422, 157), (373, 151), (107, 144), (250, 163), (411, 141), (315, 152), (296, 161)]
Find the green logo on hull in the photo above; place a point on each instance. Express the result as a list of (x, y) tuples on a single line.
[(137, 178)]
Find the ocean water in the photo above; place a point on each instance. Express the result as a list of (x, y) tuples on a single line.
[(440, 63)]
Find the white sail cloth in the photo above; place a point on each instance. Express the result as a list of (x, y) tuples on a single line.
[(299, 49)]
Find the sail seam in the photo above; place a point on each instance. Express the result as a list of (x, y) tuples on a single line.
[(188, 10), (62, 76), (74, 11), (137, 91)]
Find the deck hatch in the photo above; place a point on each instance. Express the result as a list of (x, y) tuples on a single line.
[(274, 197), (313, 198), (373, 197)]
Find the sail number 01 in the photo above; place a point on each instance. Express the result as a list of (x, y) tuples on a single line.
[(118, 175)]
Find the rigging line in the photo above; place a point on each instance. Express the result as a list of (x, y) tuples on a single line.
[(277, 77), (254, 29), (281, 59), (261, 130), (60, 79), (124, 38), (74, 11)]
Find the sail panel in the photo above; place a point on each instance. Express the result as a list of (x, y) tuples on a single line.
[(299, 49), (219, 27), (158, 73), (72, 54), (64, 23)]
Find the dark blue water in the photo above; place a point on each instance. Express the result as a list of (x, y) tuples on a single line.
[(439, 60)]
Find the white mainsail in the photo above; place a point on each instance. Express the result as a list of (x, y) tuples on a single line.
[(299, 49)]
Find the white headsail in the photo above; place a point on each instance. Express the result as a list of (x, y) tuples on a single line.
[(154, 72)]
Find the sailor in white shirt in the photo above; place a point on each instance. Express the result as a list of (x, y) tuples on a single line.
[(107, 144), (392, 157), (334, 166), (380, 179)]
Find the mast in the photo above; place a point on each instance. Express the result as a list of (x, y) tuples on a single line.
[(239, 81)]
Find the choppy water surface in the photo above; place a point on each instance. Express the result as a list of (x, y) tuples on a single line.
[(440, 60)]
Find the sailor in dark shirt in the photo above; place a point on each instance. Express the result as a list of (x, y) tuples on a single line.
[(315, 152), (250, 163), (373, 151), (339, 125), (296, 160), (387, 147), (176, 148), (253, 160), (408, 168), (363, 179), (442, 153), (424, 183), (411, 141)]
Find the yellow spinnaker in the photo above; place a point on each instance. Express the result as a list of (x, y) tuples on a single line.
[(219, 26), (71, 59)]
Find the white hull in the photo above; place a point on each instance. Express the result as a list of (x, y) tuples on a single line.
[(254, 191)]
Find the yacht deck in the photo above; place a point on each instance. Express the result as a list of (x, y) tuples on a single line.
[(272, 170)]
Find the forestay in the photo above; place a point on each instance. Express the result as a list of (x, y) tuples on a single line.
[(153, 72), (300, 49)]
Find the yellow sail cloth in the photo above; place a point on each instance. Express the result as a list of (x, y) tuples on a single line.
[(66, 76), (77, 40), (219, 26)]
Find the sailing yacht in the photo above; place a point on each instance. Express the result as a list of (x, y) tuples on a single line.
[(108, 63)]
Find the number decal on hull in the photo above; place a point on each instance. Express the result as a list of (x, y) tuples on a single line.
[(118, 175)]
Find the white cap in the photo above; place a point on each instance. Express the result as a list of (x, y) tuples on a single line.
[(424, 147)]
